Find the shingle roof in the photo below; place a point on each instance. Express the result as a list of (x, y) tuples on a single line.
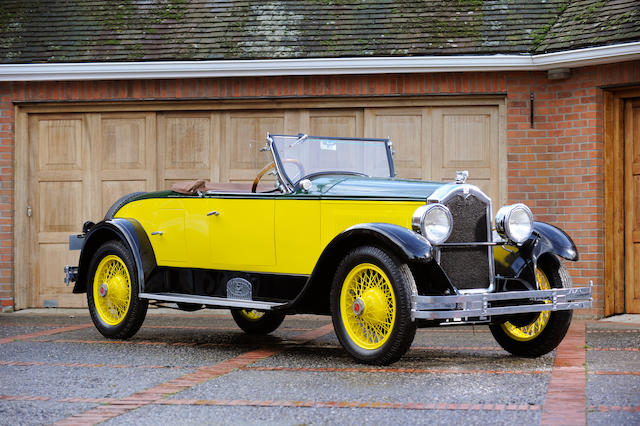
[(33, 31)]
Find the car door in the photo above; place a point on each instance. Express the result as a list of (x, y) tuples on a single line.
[(241, 232)]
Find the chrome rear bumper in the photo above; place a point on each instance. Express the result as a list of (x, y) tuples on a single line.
[(479, 305)]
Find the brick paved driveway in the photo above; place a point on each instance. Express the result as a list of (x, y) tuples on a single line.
[(200, 368)]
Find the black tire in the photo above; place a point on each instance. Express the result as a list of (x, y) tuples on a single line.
[(555, 329), (121, 202), (257, 322), (363, 342), (121, 325)]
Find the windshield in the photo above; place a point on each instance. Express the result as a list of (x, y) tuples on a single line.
[(302, 155)]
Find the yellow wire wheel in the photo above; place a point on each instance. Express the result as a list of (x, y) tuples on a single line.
[(368, 306), (534, 328), (112, 290)]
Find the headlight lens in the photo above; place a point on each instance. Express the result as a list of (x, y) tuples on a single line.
[(515, 222), (434, 222)]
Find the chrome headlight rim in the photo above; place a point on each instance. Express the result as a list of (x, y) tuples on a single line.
[(504, 225), (420, 222)]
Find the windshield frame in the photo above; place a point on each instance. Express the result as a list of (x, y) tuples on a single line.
[(283, 178)]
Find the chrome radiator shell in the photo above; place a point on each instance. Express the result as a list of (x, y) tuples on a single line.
[(467, 255)]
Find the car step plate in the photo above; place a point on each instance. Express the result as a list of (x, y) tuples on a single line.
[(212, 301)]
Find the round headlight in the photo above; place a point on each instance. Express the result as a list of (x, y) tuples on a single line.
[(515, 222), (434, 222)]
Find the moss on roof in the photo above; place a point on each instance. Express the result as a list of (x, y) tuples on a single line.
[(34, 31)]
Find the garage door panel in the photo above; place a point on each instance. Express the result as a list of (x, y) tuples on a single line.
[(123, 143), (53, 291), (186, 147), (60, 144), (346, 123), (60, 206), (186, 142), (408, 130), (243, 135), (466, 138)]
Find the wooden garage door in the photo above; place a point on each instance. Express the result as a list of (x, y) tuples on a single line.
[(80, 163), (632, 206)]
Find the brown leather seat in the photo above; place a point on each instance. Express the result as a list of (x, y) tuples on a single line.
[(193, 186)]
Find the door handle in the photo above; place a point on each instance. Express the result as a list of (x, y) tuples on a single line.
[(156, 233), (214, 213)]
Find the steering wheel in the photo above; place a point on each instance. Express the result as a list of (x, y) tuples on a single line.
[(272, 165)]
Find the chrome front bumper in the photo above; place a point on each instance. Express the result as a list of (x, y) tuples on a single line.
[(478, 306)]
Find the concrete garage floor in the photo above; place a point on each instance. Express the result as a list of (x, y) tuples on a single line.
[(199, 368)]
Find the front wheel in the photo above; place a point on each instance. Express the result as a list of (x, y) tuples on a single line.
[(112, 292), (252, 321), (537, 334), (371, 306)]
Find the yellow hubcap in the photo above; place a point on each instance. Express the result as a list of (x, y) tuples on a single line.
[(112, 290), (534, 328), (368, 306)]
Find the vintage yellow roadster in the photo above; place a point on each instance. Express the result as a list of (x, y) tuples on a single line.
[(336, 234)]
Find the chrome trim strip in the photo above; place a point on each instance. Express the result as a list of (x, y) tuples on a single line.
[(211, 301), (479, 304), (472, 244)]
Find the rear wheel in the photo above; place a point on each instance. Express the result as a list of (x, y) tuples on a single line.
[(537, 334), (371, 306), (252, 321), (112, 292)]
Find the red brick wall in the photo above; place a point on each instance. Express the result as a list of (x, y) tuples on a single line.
[(556, 167)]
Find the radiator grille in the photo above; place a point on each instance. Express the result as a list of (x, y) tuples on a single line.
[(467, 267)]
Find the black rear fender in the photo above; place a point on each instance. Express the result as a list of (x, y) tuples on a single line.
[(131, 234)]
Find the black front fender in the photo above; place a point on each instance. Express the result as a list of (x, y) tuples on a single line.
[(411, 246), (511, 261), (131, 234), (403, 243), (549, 239)]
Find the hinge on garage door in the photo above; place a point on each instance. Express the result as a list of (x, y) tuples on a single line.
[(29, 211)]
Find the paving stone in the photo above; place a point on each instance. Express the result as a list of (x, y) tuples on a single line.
[(613, 390), (598, 418), (38, 412), (12, 331), (113, 353), (373, 387), (613, 361), (197, 415), (64, 382)]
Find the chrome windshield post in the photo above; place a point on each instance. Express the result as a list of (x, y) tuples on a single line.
[(283, 182)]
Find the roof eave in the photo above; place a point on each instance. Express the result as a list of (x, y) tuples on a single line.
[(318, 66)]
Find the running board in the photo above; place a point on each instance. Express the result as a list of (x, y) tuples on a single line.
[(212, 301)]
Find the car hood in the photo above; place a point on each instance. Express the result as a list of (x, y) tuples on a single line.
[(356, 186)]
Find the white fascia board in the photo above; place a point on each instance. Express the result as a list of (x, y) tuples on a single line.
[(317, 66)]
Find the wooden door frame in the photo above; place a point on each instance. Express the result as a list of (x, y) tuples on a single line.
[(614, 219), (21, 231)]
